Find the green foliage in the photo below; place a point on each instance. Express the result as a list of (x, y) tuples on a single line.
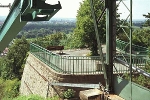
[(6, 68), (141, 79), (73, 42), (123, 33), (51, 40), (42, 29), (9, 89), (11, 66), (55, 39), (84, 33), (35, 97), (70, 93), (147, 23), (1, 88), (141, 37), (147, 67)]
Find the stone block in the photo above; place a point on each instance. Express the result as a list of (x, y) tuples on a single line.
[(91, 94), (112, 97)]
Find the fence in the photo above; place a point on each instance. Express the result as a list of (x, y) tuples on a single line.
[(124, 46), (67, 64)]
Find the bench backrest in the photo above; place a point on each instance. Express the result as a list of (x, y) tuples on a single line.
[(55, 47)]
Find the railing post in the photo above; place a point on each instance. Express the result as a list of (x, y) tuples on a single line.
[(73, 65)]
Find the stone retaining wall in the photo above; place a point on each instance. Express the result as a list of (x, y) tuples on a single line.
[(37, 76)]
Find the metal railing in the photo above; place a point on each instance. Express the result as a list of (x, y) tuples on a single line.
[(138, 61), (124, 46), (67, 64)]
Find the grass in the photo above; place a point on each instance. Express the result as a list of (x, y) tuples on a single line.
[(32, 97)]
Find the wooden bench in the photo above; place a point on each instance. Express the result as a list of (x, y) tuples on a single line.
[(51, 48)]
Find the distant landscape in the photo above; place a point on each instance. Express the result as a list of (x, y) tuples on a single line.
[(40, 29), (2, 18), (54, 25), (137, 22), (71, 34)]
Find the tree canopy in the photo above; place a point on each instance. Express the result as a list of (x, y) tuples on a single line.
[(84, 33), (147, 23), (11, 66)]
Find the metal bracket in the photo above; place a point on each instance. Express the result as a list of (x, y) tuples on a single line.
[(31, 9), (39, 4)]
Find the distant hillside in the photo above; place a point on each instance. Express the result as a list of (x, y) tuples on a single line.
[(136, 22), (2, 18), (139, 22)]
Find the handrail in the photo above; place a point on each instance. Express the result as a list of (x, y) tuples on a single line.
[(67, 64), (133, 67), (124, 46)]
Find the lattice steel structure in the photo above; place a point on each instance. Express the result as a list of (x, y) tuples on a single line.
[(111, 7), (110, 10)]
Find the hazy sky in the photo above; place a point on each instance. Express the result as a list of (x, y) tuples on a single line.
[(70, 7), (140, 7)]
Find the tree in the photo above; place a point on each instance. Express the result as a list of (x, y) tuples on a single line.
[(147, 23), (13, 63), (84, 33), (141, 37), (55, 38)]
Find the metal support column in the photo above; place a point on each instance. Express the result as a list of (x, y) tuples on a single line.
[(99, 43), (110, 39), (130, 65)]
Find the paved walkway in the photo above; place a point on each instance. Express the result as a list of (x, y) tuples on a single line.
[(84, 64), (79, 52)]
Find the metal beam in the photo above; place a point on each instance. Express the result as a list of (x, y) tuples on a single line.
[(77, 85), (110, 7), (110, 39), (130, 65), (20, 13), (135, 68), (99, 43)]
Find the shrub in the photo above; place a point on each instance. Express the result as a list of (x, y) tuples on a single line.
[(1, 88), (35, 97), (9, 89), (70, 93)]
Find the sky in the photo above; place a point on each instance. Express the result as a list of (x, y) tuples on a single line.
[(140, 7), (70, 7)]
